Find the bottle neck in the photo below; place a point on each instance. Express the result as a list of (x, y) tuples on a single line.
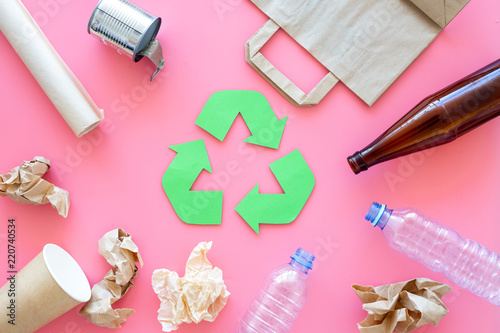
[(378, 215), (302, 261), (357, 163), (298, 267)]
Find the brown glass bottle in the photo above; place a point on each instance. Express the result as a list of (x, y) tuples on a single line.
[(438, 119)]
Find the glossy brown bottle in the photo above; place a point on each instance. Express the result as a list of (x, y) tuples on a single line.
[(438, 119)]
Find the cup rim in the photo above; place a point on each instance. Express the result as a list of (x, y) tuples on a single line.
[(66, 272)]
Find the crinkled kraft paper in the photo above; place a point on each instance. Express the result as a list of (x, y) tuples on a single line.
[(402, 307), (24, 184), (121, 253), (200, 295)]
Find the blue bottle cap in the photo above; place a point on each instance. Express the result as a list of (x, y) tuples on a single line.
[(303, 257), (375, 213)]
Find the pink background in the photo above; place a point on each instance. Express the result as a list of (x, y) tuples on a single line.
[(114, 173)]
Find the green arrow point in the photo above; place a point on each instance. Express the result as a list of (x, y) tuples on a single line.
[(268, 136), (223, 107), (192, 154), (249, 201)]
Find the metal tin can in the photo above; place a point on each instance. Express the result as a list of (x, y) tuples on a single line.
[(128, 29)]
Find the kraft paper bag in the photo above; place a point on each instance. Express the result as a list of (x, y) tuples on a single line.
[(364, 44)]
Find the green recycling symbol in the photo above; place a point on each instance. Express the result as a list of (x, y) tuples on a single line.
[(291, 171)]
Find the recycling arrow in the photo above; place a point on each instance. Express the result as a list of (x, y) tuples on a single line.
[(221, 110), (194, 207), (296, 180)]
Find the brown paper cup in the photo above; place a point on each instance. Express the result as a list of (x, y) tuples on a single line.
[(47, 287)]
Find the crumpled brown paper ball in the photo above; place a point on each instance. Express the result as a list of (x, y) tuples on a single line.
[(402, 307), (24, 184), (121, 253)]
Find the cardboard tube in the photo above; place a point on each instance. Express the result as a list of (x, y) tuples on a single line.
[(61, 86), (47, 287)]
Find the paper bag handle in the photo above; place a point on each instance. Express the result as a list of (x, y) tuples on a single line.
[(286, 87)]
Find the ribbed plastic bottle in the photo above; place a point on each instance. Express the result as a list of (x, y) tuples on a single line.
[(441, 249), (281, 297)]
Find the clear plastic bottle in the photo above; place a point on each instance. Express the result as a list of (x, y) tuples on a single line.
[(441, 249), (281, 297)]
